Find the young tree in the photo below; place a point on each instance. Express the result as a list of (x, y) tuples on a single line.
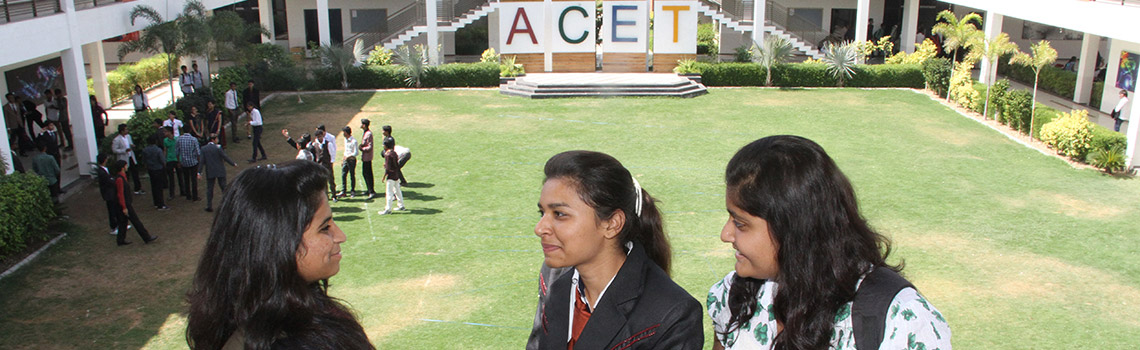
[(775, 51), (340, 58), (992, 50), (957, 33), (159, 36), (840, 61), (414, 62), (1040, 55)]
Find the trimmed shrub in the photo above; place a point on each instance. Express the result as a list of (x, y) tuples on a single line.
[(1108, 160), (221, 83), (141, 124), (25, 211), (1044, 116), (1070, 134), (962, 85), (1015, 110), (706, 40), (734, 74), (462, 75), (1105, 139), (146, 72), (376, 77), (936, 74), (1097, 93), (887, 75), (797, 74)]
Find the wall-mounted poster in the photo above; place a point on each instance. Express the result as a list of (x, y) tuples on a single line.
[(30, 81), (1126, 75)]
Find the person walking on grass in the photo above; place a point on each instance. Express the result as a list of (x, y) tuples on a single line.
[(391, 178), (107, 191), (124, 148), (188, 158), (125, 210), (213, 157), (251, 95), (170, 146), (348, 165), (324, 154), (366, 151), (155, 160), (232, 111), (255, 122)]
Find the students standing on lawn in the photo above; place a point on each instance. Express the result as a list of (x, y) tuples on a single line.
[(251, 95), (107, 191), (214, 124), (173, 123), (326, 151), (126, 211), (366, 150), (391, 178), (155, 160), (262, 281), (44, 165), (402, 153), (810, 272), (189, 155), (124, 148), (170, 146), (596, 220), (255, 122), (348, 164)]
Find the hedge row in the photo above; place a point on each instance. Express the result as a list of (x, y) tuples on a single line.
[(808, 75), (363, 77), (25, 211), (146, 72), (1053, 80)]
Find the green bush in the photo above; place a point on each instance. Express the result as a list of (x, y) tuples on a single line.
[(1105, 139), (887, 75), (1109, 160), (936, 75), (25, 211), (799, 74), (732, 74), (221, 82), (743, 54), (1054, 80), (381, 56), (706, 40), (462, 75), (146, 72), (1097, 93), (376, 77), (1070, 134), (141, 124), (1016, 110), (1044, 116), (689, 67)]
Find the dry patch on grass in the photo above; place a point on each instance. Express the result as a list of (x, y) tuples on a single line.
[(403, 303), (1076, 207), (1001, 275), (944, 134)]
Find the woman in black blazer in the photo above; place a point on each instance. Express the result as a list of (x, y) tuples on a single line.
[(596, 219)]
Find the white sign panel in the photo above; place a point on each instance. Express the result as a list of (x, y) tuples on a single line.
[(675, 29), (625, 26), (521, 25), (573, 26)]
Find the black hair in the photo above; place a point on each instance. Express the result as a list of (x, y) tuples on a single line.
[(250, 81), (169, 129), (1124, 92), (347, 130), (365, 122), (389, 143), (117, 167), (154, 139), (387, 128), (7, 95), (304, 140), (101, 158), (184, 66), (824, 245), (122, 127), (58, 92), (247, 276), (606, 186), (47, 92), (156, 122), (321, 127)]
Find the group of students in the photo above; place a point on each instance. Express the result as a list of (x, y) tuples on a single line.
[(320, 147), (810, 273)]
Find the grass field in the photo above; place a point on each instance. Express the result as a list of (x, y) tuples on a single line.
[(1017, 249)]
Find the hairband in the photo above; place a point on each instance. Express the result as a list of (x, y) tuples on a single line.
[(637, 192)]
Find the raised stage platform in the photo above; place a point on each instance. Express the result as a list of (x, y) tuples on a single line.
[(555, 85)]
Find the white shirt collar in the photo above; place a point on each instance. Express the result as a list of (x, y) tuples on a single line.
[(574, 294)]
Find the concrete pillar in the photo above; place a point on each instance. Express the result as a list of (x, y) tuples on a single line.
[(759, 16), (493, 30), (265, 16), (93, 54), (988, 71), (1086, 68), (862, 13), (6, 145), (910, 25), (323, 23), (1133, 132), (433, 32), (548, 35), (78, 104)]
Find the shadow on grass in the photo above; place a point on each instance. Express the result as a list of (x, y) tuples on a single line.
[(348, 218), (424, 211), (419, 185), (347, 209), (416, 196)]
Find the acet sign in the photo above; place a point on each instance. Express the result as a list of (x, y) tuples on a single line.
[(565, 29)]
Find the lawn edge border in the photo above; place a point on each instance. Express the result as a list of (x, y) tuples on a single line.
[(31, 257)]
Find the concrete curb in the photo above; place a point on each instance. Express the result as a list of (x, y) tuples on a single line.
[(31, 257)]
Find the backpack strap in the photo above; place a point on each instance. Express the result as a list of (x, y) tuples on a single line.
[(869, 310)]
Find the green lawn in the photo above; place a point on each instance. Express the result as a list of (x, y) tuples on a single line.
[(1017, 249)]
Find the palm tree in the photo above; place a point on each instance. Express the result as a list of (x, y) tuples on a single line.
[(414, 61), (840, 60), (992, 50), (340, 58), (957, 33), (160, 36), (1041, 55), (775, 51)]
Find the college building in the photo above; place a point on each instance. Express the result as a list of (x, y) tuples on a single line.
[(62, 43)]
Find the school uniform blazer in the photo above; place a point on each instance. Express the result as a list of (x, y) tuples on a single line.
[(106, 185), (642, 309)]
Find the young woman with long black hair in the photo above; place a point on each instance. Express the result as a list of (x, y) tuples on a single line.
[(597, 220), (803, 253), (262, 281)]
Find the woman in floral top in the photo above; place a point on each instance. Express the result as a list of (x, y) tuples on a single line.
[(802, 250)]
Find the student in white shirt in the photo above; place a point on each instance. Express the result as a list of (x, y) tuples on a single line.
[(256, 124), (186, 81), (173, 122), (231, 105), (1118, 111), (348, 166)]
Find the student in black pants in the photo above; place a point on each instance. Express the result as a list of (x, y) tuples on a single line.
[(107, 190), (124, 209), (154, 159)]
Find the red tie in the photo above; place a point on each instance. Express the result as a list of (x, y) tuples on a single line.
[(581, 316)]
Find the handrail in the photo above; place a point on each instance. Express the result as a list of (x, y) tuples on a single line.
[(396, 24), (777, 15)]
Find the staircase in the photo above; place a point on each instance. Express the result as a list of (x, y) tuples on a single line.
[(777, 22), (562, 85), (450, 26)]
